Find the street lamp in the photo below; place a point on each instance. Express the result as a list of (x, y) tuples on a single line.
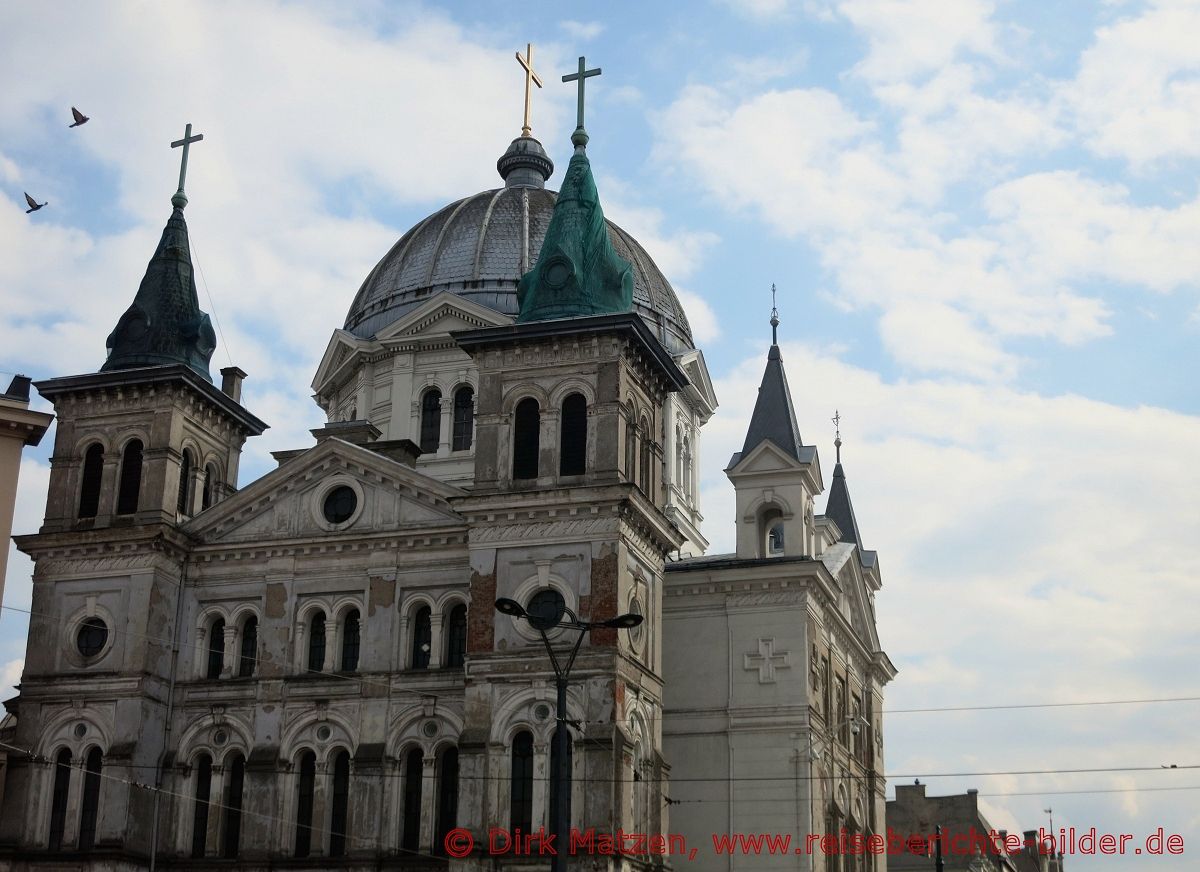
[(548, 610)]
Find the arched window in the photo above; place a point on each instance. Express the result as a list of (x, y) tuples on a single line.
[(464, 417), (216, 649), (526, 433), (184, 502), (554, 764), (58, 801), (209, 494), (350, 641), (770, 532), (686, 479), (775, 539), (422, 637), (235, 773), (316, 642), (249, 652), (431, 421), (456, 637), (572, 444), (89, 487), (200, 806), (644, 473), (447, 818), (340, 808), (304, 803), (131, 478), (522, 782), (410, 836), (89, 809), (630, 448)]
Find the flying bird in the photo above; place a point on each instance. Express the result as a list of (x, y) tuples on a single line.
[(34, 205), (80, 118)]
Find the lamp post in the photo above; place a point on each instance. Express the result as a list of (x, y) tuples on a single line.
[(546, 611)]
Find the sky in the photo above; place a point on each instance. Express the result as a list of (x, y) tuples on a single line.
[(981, 217)]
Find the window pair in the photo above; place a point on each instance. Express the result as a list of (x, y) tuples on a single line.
[(351, 642), (89, 807), (247, 649), (446, 803), (229, 805), (339, 804), (129, 482), (572, 437), (431, 420), (521, 787), (455, 638)]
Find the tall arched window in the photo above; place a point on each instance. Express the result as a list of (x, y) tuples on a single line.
[(526, 435), (464, 417), (200, 805), (572, 443), (89, 809), (554, 764), (447, 818), (183, 503), (131, 478), (304, 803), (235, 773), (456, 637), (339, 816), (431, 421), (410, 836), (248, 658), (686, 479), (630, 448), (644, 473), (216, 649), (522, 782), (89, 486), (316, 642), (422, 637), (209, 495), (350, 641), (58, 800)]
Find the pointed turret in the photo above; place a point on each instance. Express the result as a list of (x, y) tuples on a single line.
[(164, 325), (840, 510), (774, 418)]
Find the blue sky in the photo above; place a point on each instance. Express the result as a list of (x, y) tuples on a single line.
[(982, 218)]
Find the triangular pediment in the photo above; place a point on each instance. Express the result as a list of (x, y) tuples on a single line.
[(842, 561), (288, 503), (701, 386), (441, 314), (342, 349)]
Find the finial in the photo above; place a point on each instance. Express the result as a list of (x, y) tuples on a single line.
[(180, 200), (837, 433), (579, 138), (774, 318), (531, 78)]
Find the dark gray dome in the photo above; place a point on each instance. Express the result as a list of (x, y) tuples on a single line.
[(479, 247)]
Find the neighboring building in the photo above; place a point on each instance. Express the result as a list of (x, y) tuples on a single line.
[(18, 427), (912, 813), (310, 672)]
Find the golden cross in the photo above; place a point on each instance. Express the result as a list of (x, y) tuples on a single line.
[(530, 77)]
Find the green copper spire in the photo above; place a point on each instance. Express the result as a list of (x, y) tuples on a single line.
[(577, 272), (165, 325)]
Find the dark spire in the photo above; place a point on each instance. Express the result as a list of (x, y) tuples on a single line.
[(774, 418), (164, 325), (840, 510)]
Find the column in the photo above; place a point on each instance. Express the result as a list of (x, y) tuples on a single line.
[(230, 656), (541, 786), (331, 637), (321, 810), (428, 802), (216, 816), (435, 640)]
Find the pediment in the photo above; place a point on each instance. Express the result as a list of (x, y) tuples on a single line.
[(765, 457), (287, 503), (441, 314), (843, 563), (343, 347), (693, 364)]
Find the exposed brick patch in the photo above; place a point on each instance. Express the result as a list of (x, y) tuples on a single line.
[(481, 617), (382, 595), (603, 600), (275, 601)]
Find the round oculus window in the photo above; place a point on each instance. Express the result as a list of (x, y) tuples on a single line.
[(340, 504), (558, 272), (92, 637)]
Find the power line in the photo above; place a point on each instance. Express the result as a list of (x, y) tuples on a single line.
[(1037, 705), (212, 305)]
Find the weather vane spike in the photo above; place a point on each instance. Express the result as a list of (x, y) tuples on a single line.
[(531, 78), (580, 138), (774, 318), (837, 433), (180, 199)]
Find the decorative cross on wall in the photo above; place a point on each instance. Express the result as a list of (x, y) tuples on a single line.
[(766, 661)]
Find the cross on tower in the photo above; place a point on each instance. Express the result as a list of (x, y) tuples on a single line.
[(837, 433), (774, 318), (531, 78), (581, 76), (766, 661), (180, 199)]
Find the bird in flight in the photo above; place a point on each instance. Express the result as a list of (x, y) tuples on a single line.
[(34, 205), (80, 118)]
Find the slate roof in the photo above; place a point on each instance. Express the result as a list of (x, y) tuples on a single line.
[(840, 510), (774, 418)]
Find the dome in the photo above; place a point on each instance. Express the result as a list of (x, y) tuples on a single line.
[(479, 247)]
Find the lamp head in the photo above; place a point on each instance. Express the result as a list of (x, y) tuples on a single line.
[(507, 606), (624, 622)]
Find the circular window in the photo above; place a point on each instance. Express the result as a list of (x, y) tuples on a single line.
[(80, 731), (430, 729), (93, 635), (220, 737), (546, 608), (541, 712), (558, 272), (635, 633), (323, 733), (340, 504)]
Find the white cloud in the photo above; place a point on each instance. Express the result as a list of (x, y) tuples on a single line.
[(10, 675), (1137, 92), (706, 327), (582, 31)]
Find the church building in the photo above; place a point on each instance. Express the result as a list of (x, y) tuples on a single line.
[(309, 670)]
